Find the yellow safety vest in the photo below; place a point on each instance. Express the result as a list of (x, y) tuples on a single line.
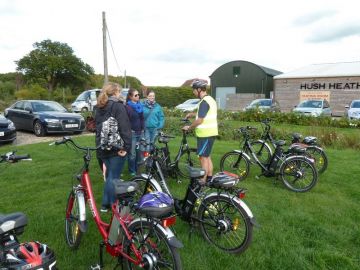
[(209, 126)]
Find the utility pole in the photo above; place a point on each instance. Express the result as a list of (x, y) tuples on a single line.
[(105, 49), (125, 78)]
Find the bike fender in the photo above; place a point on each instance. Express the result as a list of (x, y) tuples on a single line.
[(82, 211), (153, 182), (302, 157), (172, 240), (243, 153), (236, 199)]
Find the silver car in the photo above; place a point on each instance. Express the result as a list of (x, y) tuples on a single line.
[(189, 105), (313, 107), (353, 111), (263, 104), (85, 101)]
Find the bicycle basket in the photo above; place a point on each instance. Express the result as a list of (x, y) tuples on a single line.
[(156, 204)]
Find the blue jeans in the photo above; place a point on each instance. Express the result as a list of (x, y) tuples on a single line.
[(150, 135), (134, 156), (114, 167)]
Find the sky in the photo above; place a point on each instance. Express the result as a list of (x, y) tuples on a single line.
[(165, 42)]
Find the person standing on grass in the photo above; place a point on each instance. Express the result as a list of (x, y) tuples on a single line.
[(153, 117), (108, 104), (205, 125), (135, 112)]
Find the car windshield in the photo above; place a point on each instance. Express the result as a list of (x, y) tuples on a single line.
[(191, 101), (83, 96), (311, 104), (260, 102), (355, 104), (47, 106)]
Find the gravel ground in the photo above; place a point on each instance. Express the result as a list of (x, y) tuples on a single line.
[(24, 137)]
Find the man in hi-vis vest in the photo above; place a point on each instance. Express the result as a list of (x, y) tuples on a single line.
[(205, 125)]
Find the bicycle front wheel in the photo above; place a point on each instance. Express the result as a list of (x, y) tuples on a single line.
[(153, 245), (235, 162), (188, 158), (225, 224), (321, 160), (73, 233), (298, 174)]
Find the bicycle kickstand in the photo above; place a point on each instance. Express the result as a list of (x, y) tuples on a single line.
[(100, 265)]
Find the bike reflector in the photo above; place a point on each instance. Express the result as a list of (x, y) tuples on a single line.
[(167, 222), (146, 154), (241, 194)]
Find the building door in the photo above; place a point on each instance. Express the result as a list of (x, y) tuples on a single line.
[(221, 93)]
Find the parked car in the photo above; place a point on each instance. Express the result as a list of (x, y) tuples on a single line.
[(353, 111), (41, 117), (263, 104), (7, 130), (85, 101), (314, 107), (189, 105)]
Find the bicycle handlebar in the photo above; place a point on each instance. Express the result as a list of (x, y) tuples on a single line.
[(67, 139), (245, 129), (11, 157)]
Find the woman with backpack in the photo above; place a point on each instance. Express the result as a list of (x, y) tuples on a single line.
[(110, 111), (135, 112), (153, 117)]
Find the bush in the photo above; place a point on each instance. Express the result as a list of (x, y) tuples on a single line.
[(171, 96), (33, 92)]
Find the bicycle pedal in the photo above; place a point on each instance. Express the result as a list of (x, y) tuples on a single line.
[(95, 267)]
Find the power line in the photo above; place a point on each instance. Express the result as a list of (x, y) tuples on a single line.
[(112, 49)]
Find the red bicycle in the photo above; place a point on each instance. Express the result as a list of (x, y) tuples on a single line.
[(138, 233)]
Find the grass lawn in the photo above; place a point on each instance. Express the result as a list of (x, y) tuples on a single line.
[(315, 230)]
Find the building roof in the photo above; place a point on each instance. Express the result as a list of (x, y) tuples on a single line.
[(343, 69)]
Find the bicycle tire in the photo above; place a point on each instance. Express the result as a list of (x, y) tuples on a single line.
[(73, 234), (321, 160), (225, 224), (235, 162), (156, 243), (262, 151), (188, 158), (298, 174)]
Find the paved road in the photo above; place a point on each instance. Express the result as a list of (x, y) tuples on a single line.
[(24, 137)]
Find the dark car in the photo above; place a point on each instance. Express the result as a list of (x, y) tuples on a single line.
[(263, 104), (7, 130), (42, 116)]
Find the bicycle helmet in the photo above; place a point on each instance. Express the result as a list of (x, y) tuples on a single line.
[(31, 255), (224, 180), (156, 204), (199, 84)]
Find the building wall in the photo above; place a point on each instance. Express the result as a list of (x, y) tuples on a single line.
[(237, 102), (340, 91)]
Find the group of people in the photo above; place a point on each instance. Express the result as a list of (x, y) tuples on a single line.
[(137, 120)]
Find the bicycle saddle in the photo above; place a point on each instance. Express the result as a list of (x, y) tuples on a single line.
[(15, 221), (196, 172), (279, 143), (121, 187)]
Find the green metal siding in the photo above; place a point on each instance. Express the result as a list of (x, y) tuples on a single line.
[(252, 78)]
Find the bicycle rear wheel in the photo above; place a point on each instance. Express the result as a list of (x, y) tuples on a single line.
[(236, 163), (298, 174), (321, 160), (154, 247), (73, 233), (188, 158), (225, 224)]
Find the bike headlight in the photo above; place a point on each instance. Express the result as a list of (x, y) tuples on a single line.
[(52, 121)]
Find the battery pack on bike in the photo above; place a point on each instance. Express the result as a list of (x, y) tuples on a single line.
[(189, 202), (274, 161)]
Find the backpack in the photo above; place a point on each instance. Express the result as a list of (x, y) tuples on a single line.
[(110, 138)]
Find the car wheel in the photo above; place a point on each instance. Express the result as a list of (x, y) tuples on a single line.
[(39, 130)]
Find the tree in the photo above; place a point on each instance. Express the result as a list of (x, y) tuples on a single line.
[(54, 64)]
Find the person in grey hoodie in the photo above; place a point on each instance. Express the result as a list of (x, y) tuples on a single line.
[(109, 104), (153, 116)]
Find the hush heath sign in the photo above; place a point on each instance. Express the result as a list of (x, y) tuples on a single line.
[(329, 86)]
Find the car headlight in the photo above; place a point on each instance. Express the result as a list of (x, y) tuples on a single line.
[(11, 125), (52, 121)]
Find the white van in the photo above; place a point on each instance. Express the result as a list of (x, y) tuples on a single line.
[(85, 101)]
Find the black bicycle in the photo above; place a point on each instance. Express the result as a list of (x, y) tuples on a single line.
[(312, 149), (223, 217), (296, 170), (186, 156)]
